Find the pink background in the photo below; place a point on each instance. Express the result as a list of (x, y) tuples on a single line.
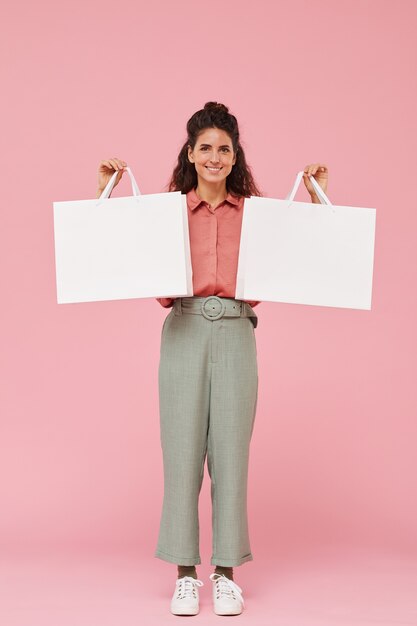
[(333, 456)]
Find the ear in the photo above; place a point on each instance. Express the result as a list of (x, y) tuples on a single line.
[(190, 157)]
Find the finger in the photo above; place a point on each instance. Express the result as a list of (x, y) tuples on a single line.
[(312, 169), (108, 164), (115, 164), (120, 163)]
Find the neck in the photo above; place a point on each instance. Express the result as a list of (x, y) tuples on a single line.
[(213, 193)]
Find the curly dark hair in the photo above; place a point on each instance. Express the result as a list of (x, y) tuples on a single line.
[(240, 181)]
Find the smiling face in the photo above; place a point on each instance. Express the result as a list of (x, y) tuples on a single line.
[(213, 155)]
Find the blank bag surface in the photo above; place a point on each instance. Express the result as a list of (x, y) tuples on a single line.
[(306, 253), (128, 247)]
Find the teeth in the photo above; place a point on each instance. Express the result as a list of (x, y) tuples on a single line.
[(213, 168)]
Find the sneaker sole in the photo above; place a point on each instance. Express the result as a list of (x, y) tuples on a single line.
[(230, 612), (185, 612)]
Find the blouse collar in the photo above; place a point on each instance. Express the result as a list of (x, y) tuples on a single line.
[(194, 201)]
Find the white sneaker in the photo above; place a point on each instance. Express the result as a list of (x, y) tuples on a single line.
[(227, 595), (185, 600)]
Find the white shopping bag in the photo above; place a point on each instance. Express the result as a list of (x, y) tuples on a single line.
[(116, 248), (306, 253)]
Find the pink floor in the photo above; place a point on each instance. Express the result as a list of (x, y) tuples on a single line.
[(354, 589)]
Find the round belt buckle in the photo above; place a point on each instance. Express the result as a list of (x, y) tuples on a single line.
[(212, 308)]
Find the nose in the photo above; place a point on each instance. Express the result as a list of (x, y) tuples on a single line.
[(214, 157)]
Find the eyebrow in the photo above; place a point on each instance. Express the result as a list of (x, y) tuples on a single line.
[(209, 145)]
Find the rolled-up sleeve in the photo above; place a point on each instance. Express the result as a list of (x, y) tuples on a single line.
[(165, 302)]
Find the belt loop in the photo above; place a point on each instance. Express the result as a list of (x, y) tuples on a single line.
[(177, 306), (250, 313)]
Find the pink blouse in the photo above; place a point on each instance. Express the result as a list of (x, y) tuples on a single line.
[(214, 246)]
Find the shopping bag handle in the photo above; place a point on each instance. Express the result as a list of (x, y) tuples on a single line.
[(319, 191), (108, 188)]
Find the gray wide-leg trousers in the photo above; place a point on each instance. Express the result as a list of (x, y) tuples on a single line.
[(208, 387)]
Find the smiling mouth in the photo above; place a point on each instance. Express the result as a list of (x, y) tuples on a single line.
[(213, 169)]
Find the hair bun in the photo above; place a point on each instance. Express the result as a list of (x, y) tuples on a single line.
[(216, 106)]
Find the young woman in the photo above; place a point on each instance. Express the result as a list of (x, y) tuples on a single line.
[(208, 374)]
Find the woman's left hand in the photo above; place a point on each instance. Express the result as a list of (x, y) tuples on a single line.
[(320, 173)]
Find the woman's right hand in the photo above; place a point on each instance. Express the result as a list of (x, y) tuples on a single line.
[(106, 170)]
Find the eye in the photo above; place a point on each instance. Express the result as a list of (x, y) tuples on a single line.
[(226, 149)]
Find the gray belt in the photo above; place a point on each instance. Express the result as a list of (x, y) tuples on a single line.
[(213, 308)]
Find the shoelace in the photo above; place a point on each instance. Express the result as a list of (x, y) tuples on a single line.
[(186, 586), (226, 587)]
